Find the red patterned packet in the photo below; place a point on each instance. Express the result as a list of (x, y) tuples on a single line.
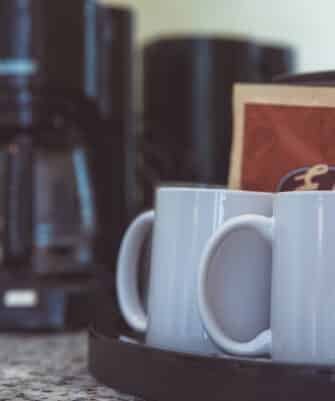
[(284, 138)]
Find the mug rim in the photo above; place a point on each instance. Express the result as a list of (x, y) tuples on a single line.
[(188, 186), (305, 193)]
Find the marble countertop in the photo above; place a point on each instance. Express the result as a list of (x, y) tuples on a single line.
[(49, 367)]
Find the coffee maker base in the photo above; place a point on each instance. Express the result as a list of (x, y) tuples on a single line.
[(28, 304)]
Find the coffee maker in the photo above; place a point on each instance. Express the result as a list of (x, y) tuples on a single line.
[(48, 212), (64, 170)]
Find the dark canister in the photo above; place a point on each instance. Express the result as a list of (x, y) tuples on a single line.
[(187, 108)]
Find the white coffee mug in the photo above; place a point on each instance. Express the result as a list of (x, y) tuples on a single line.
[(183, 221), (302, 233)]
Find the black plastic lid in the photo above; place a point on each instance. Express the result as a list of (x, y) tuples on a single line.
[(22, 41)]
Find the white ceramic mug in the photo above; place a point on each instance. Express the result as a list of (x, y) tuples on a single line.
[(302, 233), (183, 221)]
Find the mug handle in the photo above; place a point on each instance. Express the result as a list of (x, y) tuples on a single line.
[(262, 343), (127, 272)]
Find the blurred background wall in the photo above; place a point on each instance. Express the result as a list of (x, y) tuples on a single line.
[(306, 24)]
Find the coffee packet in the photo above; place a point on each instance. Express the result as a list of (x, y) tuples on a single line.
[(284, 138)]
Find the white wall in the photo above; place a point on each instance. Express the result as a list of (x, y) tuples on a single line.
[(307, 24)]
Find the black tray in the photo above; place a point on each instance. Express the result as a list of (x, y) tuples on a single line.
[(157, 375)]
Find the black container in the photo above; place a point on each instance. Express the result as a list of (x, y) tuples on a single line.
[(187, 116)]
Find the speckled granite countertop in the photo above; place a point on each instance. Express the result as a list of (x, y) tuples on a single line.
[(51, 367)]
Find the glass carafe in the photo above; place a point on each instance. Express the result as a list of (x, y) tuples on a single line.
[(47, 218), (63, 218)]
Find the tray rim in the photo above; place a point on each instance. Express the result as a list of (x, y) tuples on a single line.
[(254, 362), (101, 346)]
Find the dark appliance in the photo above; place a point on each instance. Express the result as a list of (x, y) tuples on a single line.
[(67, 166), (48, 220)]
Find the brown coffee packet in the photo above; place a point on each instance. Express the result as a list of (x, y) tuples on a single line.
[(284, 138)]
